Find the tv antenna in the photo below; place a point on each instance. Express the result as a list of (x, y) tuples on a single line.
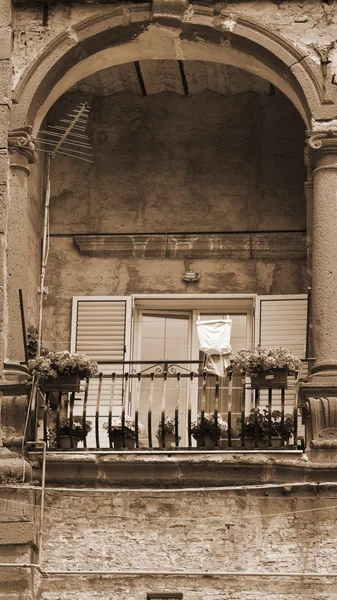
[(68, 138)]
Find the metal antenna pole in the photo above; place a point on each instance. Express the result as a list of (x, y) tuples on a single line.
[(45, 251), (72, 142)]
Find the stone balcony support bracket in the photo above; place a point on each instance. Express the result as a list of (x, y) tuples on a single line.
[(322, 425)]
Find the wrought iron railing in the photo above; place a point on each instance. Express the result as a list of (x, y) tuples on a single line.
[(149, 393)]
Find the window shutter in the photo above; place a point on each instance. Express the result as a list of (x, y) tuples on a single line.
[(101, 330), (282, 321)]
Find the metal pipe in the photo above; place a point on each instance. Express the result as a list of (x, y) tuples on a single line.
[(43, 490), (169, 573), (266, 486), (45, 245), (193, 573)]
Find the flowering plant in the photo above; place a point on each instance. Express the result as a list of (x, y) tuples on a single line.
[(77, 428), (261, 419), (54, 364), (208, 426), (259, 359), (129, 427), (169, 427)]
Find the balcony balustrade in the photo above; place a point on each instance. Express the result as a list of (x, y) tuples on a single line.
[(160, 402)]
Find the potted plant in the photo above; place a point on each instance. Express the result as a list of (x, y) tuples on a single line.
[(206, 431), (62, 371), (115, 432), (256, 426), (169, 433), (266, 368), (75, 427)]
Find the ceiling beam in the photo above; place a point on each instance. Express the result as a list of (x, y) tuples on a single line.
[(183, 77), (140, 77)]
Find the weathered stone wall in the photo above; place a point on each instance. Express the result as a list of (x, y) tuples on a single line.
[(216, 531), (18, 526), (308, 24)]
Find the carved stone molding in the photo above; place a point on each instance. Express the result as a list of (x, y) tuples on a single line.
[(283, 246), (21, 148), (322, 413), (320, 141)]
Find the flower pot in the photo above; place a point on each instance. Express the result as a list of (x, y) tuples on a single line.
[(250, 444), (208, 441), (170, 441), (273, 379), (65, 442), (62, 383), (130, 442)]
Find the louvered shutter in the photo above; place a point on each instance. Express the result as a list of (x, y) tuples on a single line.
[(101, 330), (282, 321)]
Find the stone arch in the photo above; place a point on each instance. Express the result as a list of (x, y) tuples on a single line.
[(131, 32)]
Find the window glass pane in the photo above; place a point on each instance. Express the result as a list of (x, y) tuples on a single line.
[(164, 337)]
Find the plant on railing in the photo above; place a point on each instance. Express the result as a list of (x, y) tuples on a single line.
[(258, 422), (66, 426), (129, 427), (259, 359), (115, 432), (169, 427), (207, 426), (32, 343), (169, 431), (54, 364)]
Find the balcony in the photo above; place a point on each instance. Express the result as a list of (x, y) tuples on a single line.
[(158, 396)]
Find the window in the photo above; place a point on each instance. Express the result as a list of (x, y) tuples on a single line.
[(158, 328)]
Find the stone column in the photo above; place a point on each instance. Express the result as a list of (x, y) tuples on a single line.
[(319, 395), (322, 154), (22, 154)]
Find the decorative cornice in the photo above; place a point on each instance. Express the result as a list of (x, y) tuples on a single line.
[(280, 245), (20, 141)]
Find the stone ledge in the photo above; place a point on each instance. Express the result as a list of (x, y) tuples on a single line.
[(273, 244), (188, 470)]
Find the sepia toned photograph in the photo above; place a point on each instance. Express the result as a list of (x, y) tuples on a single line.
[(168, 300)]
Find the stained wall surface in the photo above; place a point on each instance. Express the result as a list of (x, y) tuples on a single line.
[(168, 163)]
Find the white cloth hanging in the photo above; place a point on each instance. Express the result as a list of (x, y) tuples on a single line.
[(214, 340), (214, 336)]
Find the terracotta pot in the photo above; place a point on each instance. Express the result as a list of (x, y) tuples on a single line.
[(250, 444), (62, 383), (207, 442), (170, 441), (273, 379), (130, 442), (65, 442)]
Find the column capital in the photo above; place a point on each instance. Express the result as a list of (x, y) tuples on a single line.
[(21, 147), (321, 143)]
